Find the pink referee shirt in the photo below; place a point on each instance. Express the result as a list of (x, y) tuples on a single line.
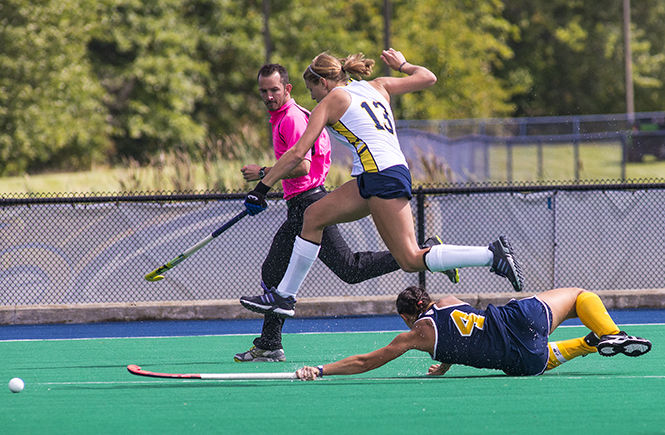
[(288, 124)]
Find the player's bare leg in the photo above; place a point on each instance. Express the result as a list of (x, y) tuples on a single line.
[(343, 204), (394, 221)]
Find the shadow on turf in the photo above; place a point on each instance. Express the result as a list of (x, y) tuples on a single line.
[(326, 382)]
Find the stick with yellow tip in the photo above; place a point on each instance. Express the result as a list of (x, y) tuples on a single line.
[(156, 275)]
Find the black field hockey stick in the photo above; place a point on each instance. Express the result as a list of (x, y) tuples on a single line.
[(136, 370), (156, 274)]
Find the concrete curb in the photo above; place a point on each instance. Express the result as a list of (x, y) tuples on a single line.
[(307, 307)]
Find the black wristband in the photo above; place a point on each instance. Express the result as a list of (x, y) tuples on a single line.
[(400, 67), (262, 188), (320, 371)]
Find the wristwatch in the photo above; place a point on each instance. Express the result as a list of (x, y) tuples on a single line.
[(262, 172)]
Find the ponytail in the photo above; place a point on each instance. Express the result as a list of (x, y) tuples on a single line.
[(329, 67)]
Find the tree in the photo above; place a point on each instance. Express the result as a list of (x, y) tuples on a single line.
[(51, 111), (301, 29), (85, 80), (145, 56), (229, 42), (459, 40), (462, 42), (648, 54), (572, 52)]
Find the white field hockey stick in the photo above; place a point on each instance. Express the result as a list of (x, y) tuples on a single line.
[(156, 274), (136, 370)]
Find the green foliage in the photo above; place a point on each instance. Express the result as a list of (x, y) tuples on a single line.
[(85, 82), (461, 42), (573, 54), (648, 54), (145, 57), (301, 29), (51, 111), (228, 40)]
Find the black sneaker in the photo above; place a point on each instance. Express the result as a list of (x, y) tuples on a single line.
[(504, 263), (452, 274), (612, 344), (270, 302), (592, 339), (255, 354)]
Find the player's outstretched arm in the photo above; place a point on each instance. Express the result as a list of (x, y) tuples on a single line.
[(418, 338), (361, 363), (418, 77)]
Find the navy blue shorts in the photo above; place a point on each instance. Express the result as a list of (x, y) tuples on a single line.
[(392, 182), (528, 322)]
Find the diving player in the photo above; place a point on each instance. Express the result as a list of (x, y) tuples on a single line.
[(512, 338)]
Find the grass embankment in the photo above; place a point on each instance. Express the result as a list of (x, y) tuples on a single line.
[(181, 175), (596, 162), (176, 172)]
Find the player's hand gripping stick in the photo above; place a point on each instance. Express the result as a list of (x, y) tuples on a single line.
[(255, 201)]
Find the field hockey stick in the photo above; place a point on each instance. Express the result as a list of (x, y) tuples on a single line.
[(136, 370), (156, 274)]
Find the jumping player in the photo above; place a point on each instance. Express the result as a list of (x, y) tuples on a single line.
[(359, 114), (302, 187), (512, 338)]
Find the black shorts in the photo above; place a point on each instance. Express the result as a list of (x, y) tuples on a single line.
[(393, 182)]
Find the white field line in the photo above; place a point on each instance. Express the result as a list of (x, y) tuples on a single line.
[(332, 378), (195, 335), (156, 381), (254, 334)]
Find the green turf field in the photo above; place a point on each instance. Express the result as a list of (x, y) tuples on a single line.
[(82, 387)]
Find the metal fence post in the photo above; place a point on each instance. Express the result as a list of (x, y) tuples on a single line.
[(420, 228), (486, 156), (624, 155), (509, 160), (576, 147), (541, 171)]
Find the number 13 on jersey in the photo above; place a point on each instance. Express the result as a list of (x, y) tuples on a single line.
[(387, 125)]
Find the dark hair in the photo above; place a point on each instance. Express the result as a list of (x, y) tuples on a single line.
[(413, 301), (270, 68), (328, 66)]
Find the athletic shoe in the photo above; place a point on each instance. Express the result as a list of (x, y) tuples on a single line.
[(255, 354), (504, 263), (612, 344), (270, 302), (591, 339), (452, 274)]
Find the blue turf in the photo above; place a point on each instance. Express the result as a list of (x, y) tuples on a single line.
[(196, 327), (253, 326)]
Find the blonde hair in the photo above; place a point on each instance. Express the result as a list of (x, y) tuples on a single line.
[(330, 67)]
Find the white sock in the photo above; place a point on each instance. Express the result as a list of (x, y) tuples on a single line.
[(446, 257), (303, 256)]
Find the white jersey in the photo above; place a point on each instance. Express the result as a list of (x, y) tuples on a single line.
[(368, 128)]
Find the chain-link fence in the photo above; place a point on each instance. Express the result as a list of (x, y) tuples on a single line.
[(63, 250)]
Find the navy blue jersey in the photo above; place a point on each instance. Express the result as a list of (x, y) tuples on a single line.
[(512, 338)]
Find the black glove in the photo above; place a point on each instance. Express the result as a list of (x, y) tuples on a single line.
[(255, 201)]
